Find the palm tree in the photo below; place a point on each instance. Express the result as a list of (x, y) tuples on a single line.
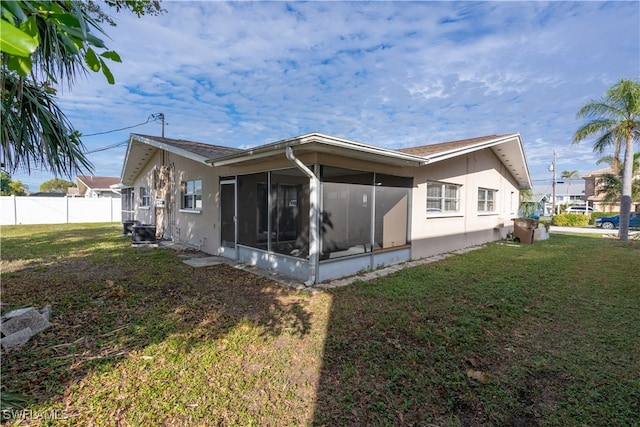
[(35, 132), (615, 121), (45, 44), (569, 175)]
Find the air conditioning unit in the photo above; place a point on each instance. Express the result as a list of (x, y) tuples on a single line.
[(143, 233), (127, 226)]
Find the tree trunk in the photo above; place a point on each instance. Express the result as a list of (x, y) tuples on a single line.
[(625, 200)]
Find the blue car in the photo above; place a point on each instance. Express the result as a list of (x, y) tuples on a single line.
[(610, 222)]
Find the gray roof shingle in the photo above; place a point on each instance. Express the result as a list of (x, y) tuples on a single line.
[(209, 151)]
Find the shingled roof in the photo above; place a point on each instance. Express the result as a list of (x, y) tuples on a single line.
[(98, 182), (142, 148), (508, 148), (208, 151), (426, 150)]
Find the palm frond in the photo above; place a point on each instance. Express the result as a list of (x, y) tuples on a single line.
[(599, 109), (36, 133), (594, 127)]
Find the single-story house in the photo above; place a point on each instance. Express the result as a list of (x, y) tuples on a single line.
[(95, 186), (316, 207)]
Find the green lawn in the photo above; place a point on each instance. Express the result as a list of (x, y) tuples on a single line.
[(541, 334)]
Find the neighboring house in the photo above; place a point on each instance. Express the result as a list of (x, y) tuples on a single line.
[(566, 195), (535, 205), (46, 194), (73, 192), (593, 190), (595, 194), (317, 207), (96, 186)]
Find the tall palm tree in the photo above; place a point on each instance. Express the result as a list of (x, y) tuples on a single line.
[(615, 121), (569, 175)]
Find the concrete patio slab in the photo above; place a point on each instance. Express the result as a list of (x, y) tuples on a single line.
[(205, 261)]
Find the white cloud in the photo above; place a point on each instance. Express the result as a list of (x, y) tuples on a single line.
[(384, 73)]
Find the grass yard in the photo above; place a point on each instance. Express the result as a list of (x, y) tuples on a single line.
[(544, 334)]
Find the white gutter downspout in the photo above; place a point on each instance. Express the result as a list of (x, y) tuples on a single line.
[(314, 206)]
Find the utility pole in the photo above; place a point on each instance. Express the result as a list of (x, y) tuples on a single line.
[(162, 118), (553, 168), (155, 117)]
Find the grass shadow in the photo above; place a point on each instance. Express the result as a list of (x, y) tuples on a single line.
[(506, 335), (112, 302)]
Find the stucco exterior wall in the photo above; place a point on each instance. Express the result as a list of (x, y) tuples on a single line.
[(197, 228), (437, 233)]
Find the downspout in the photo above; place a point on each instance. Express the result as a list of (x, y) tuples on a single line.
[(314, 192)]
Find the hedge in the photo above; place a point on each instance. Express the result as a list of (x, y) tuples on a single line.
[(570, 220)]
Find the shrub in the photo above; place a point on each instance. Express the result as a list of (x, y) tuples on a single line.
[(570, 220)]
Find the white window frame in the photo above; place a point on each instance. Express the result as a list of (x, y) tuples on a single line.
[(145, 197), (484, 200), (190, 194), (444, 200)]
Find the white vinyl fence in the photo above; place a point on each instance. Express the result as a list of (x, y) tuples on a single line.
[(58, 210)]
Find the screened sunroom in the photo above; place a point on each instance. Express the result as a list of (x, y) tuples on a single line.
[(315, 221)]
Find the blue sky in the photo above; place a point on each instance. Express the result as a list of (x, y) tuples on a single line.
[(390, 74)]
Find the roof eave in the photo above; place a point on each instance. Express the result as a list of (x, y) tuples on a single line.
[(128, 175), (521, 174), (170, 148), (322, 143)]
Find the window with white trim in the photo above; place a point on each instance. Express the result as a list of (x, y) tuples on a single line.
[(145, 197), (442, 197), (486, 200), (192, 194)]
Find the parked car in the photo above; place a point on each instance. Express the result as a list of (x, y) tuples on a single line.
[(580, 210), (610, 222)]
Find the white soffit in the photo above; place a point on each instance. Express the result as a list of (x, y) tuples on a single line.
[(140, 150), (508, 149)]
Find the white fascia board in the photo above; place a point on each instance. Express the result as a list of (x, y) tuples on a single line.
[(369, 149), (524, 184), (135, 139), (280, 146), (170, 148), (469, 149), (126, 160)]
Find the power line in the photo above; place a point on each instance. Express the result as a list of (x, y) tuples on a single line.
[(108, 147), (155, 117), (116, 130)]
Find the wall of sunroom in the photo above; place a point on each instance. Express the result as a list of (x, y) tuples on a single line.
[(361, 212), (273, 212)]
